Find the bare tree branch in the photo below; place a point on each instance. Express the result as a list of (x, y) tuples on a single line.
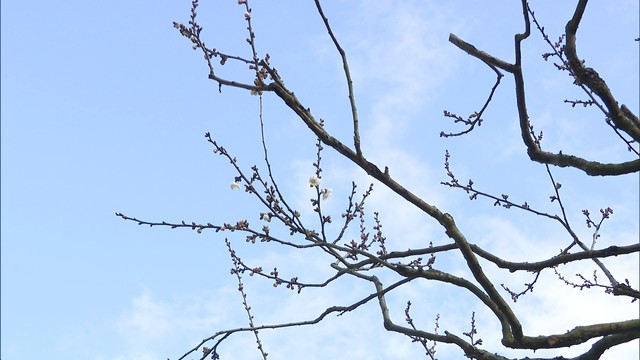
[(589, 78), (347, 74), (368, 258)]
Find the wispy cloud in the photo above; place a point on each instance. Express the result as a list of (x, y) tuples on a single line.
[(153, 327)]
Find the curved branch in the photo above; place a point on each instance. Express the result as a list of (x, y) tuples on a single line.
[(476, 116), (593, 168), (590, 78), (495, 307), (607, 342)]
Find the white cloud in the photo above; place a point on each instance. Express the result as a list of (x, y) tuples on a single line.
[(148, 319), (155, 327)]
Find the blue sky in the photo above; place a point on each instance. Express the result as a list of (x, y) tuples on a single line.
[(104, 107)]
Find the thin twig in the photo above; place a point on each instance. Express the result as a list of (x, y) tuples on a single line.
[(347, 74)]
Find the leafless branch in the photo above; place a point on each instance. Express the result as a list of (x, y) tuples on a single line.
[(347, 74), (363, 253), (583, 76)]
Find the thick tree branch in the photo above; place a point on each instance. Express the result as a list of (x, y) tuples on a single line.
[(617, 115), (556, 260), (495, 307), (590, 78), (581, 334), (606, 343)]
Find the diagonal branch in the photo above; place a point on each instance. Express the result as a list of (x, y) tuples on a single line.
[(481, 55), (444, 219)]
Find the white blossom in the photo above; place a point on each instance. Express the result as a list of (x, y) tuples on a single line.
[(234, 186), (314, 181), (326, 193), (265, 217)]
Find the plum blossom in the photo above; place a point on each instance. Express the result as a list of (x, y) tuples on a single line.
[(326, 193), (234, 186), (314, 181)]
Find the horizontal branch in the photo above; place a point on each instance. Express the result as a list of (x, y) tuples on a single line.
[(593, 168), (581, 334), (556, 260)]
